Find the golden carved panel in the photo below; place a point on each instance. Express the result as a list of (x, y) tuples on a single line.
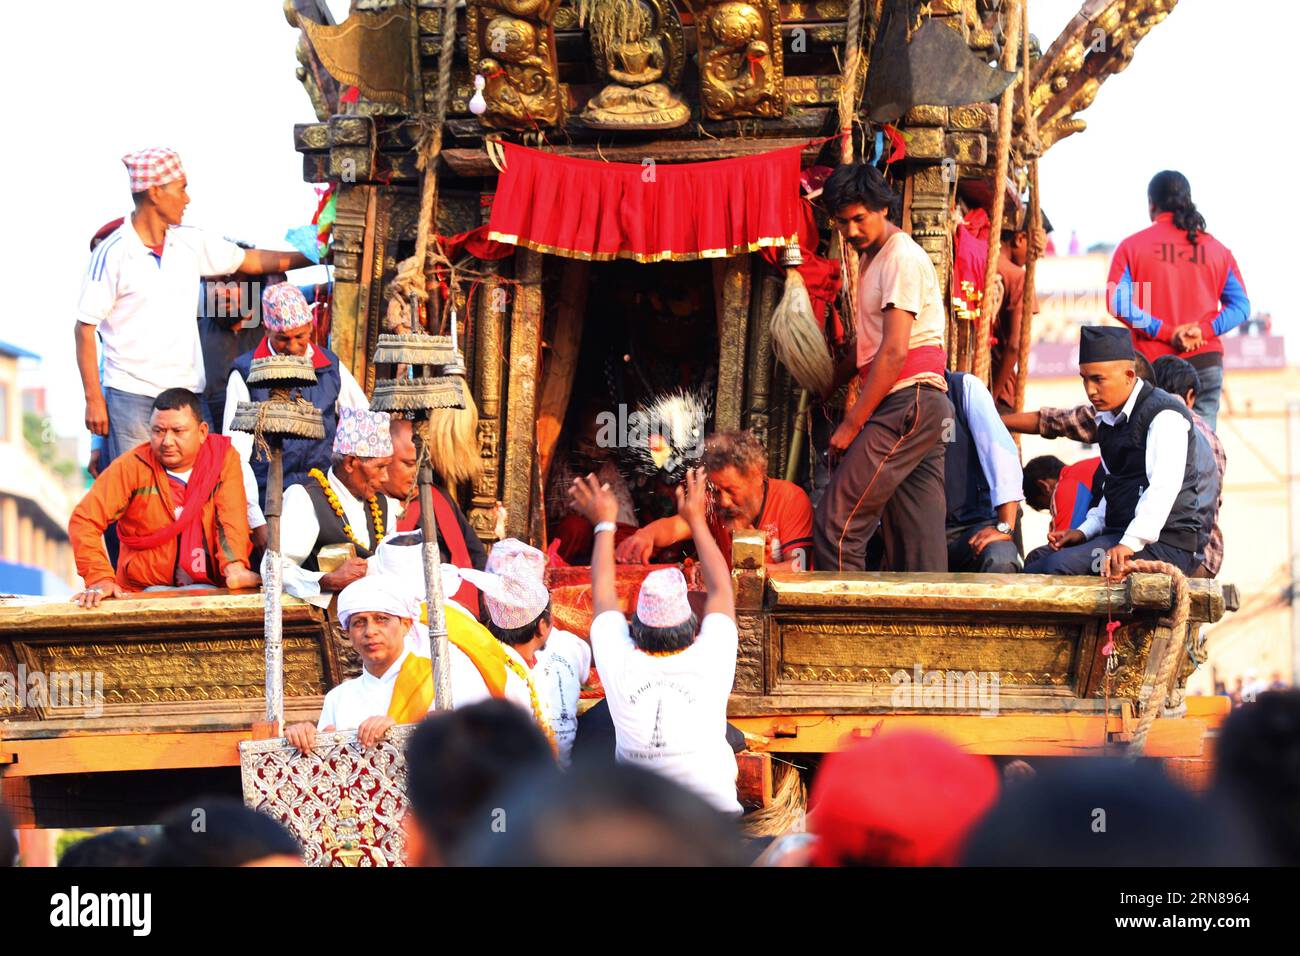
[(512, 44), (871, 651), (742, 68), (149, 672)]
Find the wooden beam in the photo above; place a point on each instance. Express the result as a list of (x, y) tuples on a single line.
[(475, 162), (101, 753), (561, 362), (1027, 735)]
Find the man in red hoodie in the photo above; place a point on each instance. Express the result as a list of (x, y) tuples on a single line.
[(1178, 288)]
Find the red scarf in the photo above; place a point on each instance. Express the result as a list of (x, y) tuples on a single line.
[(203, 481)]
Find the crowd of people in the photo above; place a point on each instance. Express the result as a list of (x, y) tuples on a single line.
[(178, 505), (897, 799)]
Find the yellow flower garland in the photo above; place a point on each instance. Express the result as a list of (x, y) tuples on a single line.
[(375, 514), (538, 716)]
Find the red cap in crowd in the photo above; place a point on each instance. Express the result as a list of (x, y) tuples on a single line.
[(901, 799)]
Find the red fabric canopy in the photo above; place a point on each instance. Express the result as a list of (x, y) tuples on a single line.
[(586, 209)]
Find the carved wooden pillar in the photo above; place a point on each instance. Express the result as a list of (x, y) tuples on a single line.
[(731, 281), (758, 393), (350, 233), (521, 394), (489, 346)]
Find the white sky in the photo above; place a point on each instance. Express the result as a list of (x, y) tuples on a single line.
[(1206, 94)]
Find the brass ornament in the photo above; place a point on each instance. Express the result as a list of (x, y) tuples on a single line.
[(642, 72), (741, 61), (512, 44)]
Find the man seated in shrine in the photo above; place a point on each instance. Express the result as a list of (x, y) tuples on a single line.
[(1157, 498), (178, 501), (743, 498), (458, 543), (668, 674), (289, 324), (344, 506), (519, 616), (982, 482)]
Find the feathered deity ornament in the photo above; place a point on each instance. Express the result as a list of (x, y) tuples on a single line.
[(666, 435)]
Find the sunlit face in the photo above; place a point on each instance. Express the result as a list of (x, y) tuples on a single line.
[(291, 341), (176, 436), (1108, 384), (859, 226), (378, 638), (170, 200), (402, 468), (737, 496), (364, 477)]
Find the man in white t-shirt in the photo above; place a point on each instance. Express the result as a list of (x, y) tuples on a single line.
[(888, 451), (667, 685), (519, 616), (139, 295)]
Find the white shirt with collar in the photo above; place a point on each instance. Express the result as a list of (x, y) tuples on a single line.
[(996, 449), (347, 705), (144, 307), (299, 530), (351, 395), (1166, 462)]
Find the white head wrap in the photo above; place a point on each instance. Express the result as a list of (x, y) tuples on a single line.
[(384, 593)]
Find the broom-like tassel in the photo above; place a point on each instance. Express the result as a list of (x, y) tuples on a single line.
[(797, 338), (453, 442), (788, 810)]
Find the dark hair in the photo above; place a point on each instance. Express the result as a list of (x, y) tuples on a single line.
[(858, 183), (173, 399), (1143, 368), (1108, 812), (1036, 470), (657, 640), (1176, 376), (129, 846), (606, 814), (1169, 191), (224, 833), (8, 842), (456, 760), (1257, 765), (514, 636)]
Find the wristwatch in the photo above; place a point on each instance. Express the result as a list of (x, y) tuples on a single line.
[(1003, 527)]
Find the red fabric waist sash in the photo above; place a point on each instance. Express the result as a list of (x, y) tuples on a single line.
[(586, 209), (927, 358)]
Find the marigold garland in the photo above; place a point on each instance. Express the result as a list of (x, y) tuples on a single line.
[(538, 716), (376, 516)]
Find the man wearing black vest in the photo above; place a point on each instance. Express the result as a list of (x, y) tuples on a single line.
[(982, 480), (344, 505), (1157, 501), (289, 323)]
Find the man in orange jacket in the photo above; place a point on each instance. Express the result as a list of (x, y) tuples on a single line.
[(178, 500)]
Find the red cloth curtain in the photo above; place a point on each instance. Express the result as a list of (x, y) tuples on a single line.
[(586, 209)]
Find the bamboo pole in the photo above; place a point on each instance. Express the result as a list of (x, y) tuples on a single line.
[(1033, 221), (1010, 53)]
